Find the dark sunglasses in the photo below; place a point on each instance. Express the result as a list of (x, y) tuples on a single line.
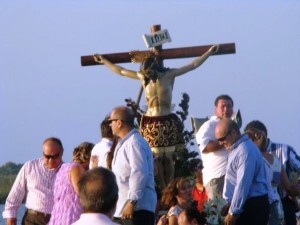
[(224, 137), (51, 156)]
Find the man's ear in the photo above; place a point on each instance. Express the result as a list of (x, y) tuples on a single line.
[(119, 123)]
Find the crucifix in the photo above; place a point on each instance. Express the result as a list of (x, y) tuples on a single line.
[(159, 126)]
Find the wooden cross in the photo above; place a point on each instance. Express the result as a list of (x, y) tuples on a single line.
[(186, 52), (172, 53), (160, 55)]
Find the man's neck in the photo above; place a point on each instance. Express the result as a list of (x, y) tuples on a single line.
[(125, 131)]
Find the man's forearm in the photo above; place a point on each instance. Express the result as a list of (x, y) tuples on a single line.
[(212, 146)]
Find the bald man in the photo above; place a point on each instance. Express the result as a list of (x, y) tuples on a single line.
[(35, 183), (133, 166), (245, 186)]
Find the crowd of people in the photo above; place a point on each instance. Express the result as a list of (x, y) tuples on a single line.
[(113, 182)]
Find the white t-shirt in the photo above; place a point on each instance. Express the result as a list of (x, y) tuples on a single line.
[(273, 175), (214, 163), (101, 149)]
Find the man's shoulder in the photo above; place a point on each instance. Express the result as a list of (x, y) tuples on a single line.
[(137, 138), (31, 162), (212, 121), (104, 143), (210, 124), (32, 165)]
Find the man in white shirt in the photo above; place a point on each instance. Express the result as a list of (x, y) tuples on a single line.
[(214, 155), (98, 193), (133, 166), (101, 149)]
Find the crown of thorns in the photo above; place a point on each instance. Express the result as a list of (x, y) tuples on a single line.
[(142, 56)]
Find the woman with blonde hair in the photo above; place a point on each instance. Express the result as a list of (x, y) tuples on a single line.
[(67, 207), (176, 197), (275, 173)]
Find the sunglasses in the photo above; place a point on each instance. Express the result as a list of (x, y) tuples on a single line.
[(222, 139), (51, 156), (111, 120)]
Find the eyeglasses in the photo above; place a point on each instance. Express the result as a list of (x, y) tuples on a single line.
[(111, 120), (222, 139), (51, 156)]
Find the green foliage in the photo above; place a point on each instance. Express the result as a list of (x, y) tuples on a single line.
[(10, 168), (8, 173), (186, 161), (136, 110)]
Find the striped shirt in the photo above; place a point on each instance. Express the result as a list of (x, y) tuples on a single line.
[(35, 182), (289, 159)]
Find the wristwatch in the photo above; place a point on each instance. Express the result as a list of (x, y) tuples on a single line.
[(132, 202)]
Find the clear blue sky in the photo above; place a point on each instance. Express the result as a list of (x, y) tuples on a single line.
[(45, 92)]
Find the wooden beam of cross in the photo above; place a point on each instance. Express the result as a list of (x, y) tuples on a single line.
[(172, 53)]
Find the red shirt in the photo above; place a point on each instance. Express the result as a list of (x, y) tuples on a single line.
[(200, 197)]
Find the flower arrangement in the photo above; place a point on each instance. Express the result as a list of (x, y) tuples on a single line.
[(212, 208)]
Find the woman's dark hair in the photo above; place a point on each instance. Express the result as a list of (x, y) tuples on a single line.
[(105, 128), (192, 213), (169, 194), (257, 125), (110, 154)]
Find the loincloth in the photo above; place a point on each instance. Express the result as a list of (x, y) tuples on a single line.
[(162, 131)]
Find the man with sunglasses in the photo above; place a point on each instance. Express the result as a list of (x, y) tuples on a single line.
[(214, 155), (133, 166), (35, 184), (245, 186)]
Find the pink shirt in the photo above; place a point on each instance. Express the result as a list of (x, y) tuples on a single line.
[(35, 182)]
